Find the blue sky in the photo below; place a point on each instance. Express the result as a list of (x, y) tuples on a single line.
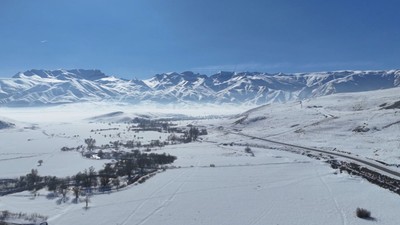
[(139, 38)]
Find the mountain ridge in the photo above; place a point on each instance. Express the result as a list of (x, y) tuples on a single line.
[(46, 87)]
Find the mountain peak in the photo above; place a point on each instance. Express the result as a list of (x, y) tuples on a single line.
[(65, 86), (61, 74)]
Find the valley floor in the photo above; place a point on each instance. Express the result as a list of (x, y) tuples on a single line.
[(272, 188), (211, 183)]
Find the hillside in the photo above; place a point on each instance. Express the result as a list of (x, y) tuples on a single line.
[(44, 87), (364, 123)]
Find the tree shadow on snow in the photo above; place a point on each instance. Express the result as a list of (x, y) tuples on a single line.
[(51, 196), (62, 200), (370, 219)]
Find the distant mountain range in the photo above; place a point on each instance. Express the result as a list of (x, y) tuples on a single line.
[(44, 87)]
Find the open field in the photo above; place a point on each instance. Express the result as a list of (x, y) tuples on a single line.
[(212, 182)]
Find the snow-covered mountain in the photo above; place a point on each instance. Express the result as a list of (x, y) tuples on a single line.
[(40, 87)]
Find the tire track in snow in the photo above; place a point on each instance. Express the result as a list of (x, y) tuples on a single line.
[(331, 195), (70, 208), (261, 216), (23, 157), (163, 205), (167, 201), (151, 196)]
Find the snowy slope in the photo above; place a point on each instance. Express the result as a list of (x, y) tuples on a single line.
[(363, 123), (273, 187), (41, 87)]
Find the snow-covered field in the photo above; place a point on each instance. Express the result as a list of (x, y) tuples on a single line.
[(273, 187), (328, 123), (40, 133)]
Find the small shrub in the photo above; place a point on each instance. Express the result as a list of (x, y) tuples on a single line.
[(363, 213), (247, 149), (4, 214), (143, 179)]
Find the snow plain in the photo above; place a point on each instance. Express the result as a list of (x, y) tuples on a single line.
[(274, 187)]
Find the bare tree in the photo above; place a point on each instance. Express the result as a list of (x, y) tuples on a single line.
[(90, 143), (76, 192)]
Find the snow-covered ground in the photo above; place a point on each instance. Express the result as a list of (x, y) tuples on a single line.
[(40, 133), (328, 123), (273, 187)]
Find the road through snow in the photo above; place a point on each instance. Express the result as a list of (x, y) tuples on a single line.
[(375, 166)]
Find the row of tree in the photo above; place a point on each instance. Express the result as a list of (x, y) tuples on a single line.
[(132, 165)]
